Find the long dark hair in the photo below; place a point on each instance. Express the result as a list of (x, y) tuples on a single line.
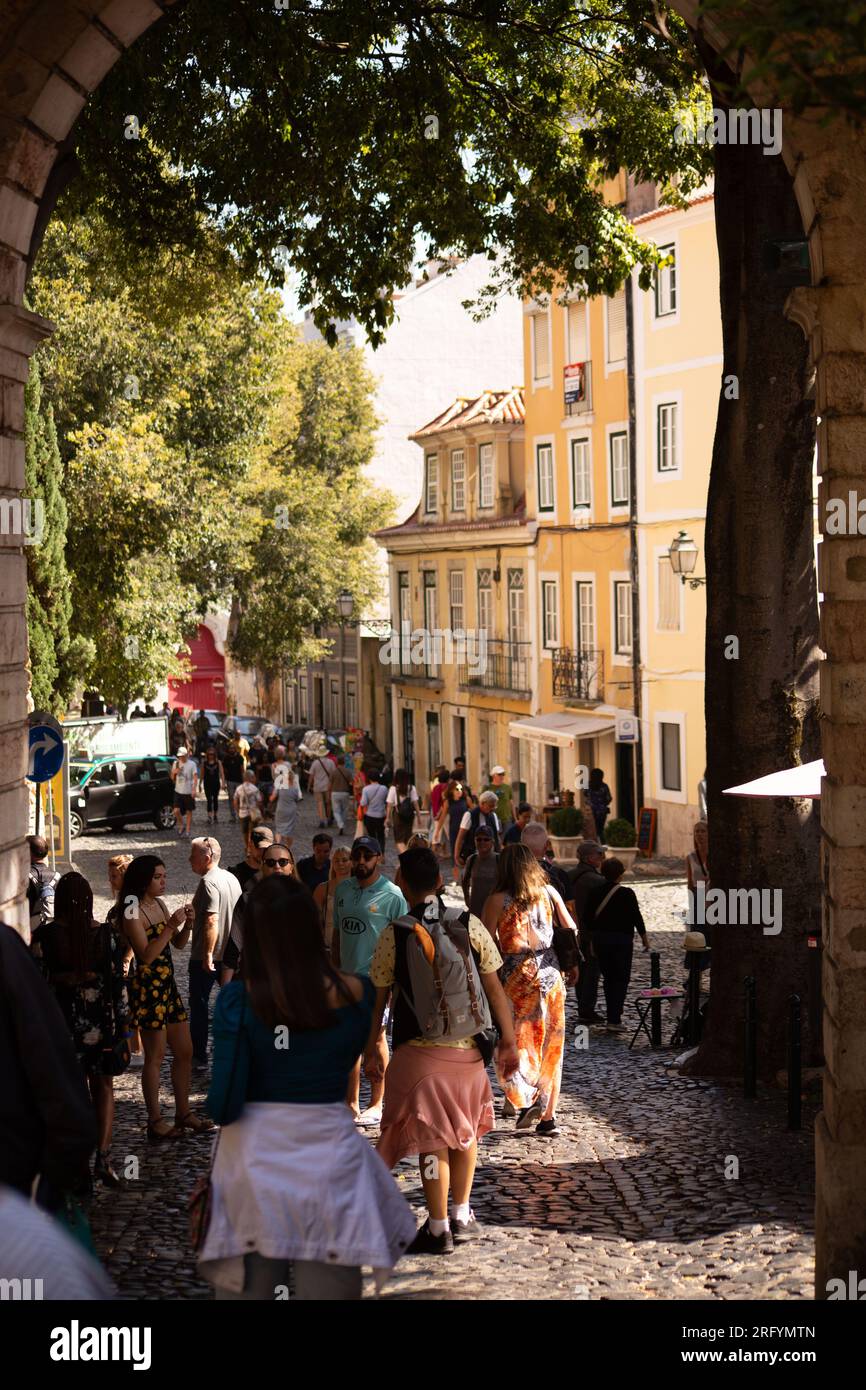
[(520, 875), (136, 882), (285, 958), (402, 781), (73, 913)]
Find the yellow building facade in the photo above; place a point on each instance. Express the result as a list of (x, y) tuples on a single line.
[(461, 575)]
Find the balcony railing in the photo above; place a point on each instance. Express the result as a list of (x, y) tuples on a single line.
[(578, 675), (577, 388), (500, 666)]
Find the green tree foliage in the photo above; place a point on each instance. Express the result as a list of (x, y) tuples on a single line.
[(175, 382), (337, 137), (57, 660), (315, 510)]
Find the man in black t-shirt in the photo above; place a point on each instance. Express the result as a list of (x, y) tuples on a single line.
[(233, 769), (316, 867)]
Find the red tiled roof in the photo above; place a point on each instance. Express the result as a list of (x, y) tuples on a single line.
[(492, 523), (490, 408), (667, 210)]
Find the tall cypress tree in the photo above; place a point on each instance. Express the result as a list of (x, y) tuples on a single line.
[(57, 663)]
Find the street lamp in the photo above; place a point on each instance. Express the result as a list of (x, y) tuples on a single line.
[(345, 608), (683, 555)]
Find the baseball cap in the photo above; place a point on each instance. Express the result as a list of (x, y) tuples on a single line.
[(263, 835), (484, 833), (366, 842), (183, 752), (494, 771)]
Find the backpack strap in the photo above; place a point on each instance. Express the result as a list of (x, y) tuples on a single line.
[(605, 900), (458, 932)]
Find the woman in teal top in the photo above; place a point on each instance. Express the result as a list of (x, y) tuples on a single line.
[(299, 1198)]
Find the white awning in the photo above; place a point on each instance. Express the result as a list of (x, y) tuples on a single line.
[(804, 780), (561, 729)]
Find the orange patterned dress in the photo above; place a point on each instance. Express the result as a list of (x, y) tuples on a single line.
[(532, 979)]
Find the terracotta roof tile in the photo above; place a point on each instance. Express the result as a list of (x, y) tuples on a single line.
[(490, 408)]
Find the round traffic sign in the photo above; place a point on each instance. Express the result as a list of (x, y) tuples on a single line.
[(46, 753)]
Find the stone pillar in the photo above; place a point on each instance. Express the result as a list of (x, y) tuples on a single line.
[(20, 331), (829, 175)]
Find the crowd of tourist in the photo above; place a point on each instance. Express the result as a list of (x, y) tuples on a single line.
[(316, 962)]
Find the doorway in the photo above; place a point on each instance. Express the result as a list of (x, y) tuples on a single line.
[(625, 782), (409, 741), (434, 745)]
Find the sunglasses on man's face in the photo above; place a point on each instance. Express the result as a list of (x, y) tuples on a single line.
[(276, 863), (363, 854)]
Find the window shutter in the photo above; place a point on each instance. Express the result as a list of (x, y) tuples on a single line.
[(616, 344)]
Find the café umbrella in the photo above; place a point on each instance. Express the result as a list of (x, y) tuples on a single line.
[(804, 780)]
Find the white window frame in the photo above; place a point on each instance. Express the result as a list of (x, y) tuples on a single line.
[(455, 455), (660, 321), (619, 363), (618, 656), (680, 798), (458, 603), (351, 704), (541, 316), (487, 589), (662, 555), (674, 398), (522, 636), (428, 460), (431, 606), (550, 641), (583, 577), (334, 701), (616, 508), (583, 509), (486, 456), (539, 445)]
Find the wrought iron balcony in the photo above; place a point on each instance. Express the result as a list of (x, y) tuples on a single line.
[(577, 388), (500, 666), (578, 675)]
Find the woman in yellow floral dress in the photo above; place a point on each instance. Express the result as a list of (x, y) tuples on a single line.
[(519, 914), (154, 998)]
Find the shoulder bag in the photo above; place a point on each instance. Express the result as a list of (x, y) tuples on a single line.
[(200, 1204), (564, 942)]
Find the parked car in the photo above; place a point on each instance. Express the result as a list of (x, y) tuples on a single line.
[(215, 717), (111, 791), (249, 726)]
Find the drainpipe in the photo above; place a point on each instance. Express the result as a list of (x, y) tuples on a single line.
[(632, 538)]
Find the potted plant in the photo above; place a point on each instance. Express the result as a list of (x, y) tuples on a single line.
[(620, 836), (566, 830)]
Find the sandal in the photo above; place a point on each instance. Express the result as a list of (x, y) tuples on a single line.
[(161, 1130), (198, 1124)]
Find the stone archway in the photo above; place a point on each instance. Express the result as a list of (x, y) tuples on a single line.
[(828, 170), (55, 54)]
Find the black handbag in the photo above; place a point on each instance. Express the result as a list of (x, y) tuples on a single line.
[(566, 948), (115, 1053)]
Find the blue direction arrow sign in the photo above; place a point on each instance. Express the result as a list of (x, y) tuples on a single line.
[(46, 753)]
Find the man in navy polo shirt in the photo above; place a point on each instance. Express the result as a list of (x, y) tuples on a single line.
[(364, 904)]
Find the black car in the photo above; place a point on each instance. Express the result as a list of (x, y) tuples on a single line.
[(112, 791), (248, 726)]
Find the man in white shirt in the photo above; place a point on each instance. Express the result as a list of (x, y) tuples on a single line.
[(184, 775), (374, 802), (320, 785)]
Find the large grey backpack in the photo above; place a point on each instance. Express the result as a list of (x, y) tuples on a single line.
[(447, 997)]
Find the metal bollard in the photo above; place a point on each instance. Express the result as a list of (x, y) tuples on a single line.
[(795, 1063), (750, 1040), (656, 1005)]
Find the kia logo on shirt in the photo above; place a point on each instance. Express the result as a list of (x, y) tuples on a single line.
[(353, 926)]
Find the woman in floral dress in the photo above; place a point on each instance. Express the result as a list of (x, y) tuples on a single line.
[(83, 962), (519, 915), (156, 1003)]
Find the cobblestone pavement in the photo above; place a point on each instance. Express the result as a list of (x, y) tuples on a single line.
[(631, 1201)]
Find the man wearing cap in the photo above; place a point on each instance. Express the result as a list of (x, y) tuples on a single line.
[(482, 868), (586, 879), (483, 814), (364, 904), (252, 863), (184, 775), (504, 796)]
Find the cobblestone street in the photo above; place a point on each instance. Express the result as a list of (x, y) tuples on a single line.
[(631, 1201)]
